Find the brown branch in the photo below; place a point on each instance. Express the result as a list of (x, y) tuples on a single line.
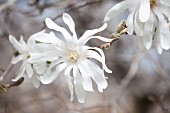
[(3, 76), (75, 7), (120, 30), (7, 4)]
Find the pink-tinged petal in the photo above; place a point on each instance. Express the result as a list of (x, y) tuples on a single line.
[(51, 25), (144, 10), (35, 81), (87, 82), (49, 78), (89, 33), (69, 21), (130, 23), (78, 84), (117, 9), (69, 80)]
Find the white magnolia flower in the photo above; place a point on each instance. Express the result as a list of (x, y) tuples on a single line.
[(74, 60), (24, 49), (145, 17)]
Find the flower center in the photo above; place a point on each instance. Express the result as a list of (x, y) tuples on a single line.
[(28, 56), (153, 3), (73, 57)]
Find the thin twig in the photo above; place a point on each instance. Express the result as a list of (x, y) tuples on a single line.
[(3, 76), (78, 6), (7, 4)]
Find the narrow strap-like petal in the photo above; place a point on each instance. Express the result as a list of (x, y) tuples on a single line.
[(16, 44), (97, 74), (130, 23), (35, 81), (47, 79), (78, 84), (89, 33), (69, 21), (100, 58), (17, 59), (117, 9), (29, 70), (51, 25), (144, 10), (69, 80), (87, 82), (137, 26), (95, 37)]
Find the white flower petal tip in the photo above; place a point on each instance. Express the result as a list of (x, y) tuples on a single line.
[(49, 23), (144, 10), (103, 27), (81, 101)]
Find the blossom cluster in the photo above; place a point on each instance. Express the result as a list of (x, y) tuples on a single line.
[(148, 19), (45, 57)]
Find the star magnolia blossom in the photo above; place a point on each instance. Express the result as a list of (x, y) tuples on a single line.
[(33, 71), (74, 60), (145, 17)]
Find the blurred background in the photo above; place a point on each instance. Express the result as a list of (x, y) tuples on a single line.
[(139, 82)]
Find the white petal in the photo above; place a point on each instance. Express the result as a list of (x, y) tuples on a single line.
[(144, 10), (101, 58), (54, 63), (129, 23), (41, 57), (118, 8), (69, 80), (17, 59), (165, 10), (91, 32), (78, 80), (29, 70), (47, 79), (147, 40), (87, 82), (16, 44), (35, 81), (40, 67), (158, 45), (137, 26), (165, 2), (96, 73), (51, 25), (45, 38), (23, 43), (69, 21), (21, 72), (95, 37)]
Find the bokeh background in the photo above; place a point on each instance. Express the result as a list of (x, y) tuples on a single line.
[(139, 82)]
